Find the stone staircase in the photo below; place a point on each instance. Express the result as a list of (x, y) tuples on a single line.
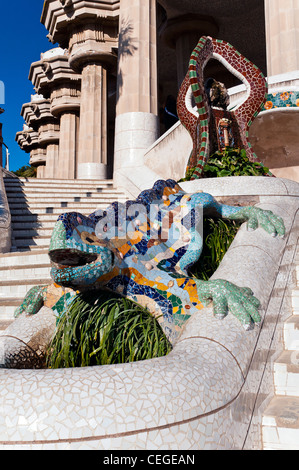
[(35, 206), (280, 425)]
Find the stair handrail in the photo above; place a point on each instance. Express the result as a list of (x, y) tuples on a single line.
[(5, 218), (7, 156)]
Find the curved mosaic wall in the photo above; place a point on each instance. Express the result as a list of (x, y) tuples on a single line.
[(202, 395), (282, 99)]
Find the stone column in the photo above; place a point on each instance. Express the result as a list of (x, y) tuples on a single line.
[(40, 171), (41, 130), (28, 140), (52, 160), (38, 158), (55, 80), (137, 67), (89, 30), (49, 138), (183, 33), (65, 106), (92, 155), (282, 33), (137, 124), (68, 145), (91, 49)]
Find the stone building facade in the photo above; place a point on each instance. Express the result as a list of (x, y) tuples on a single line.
[(101, 89)]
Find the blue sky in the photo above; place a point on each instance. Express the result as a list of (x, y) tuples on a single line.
[(22, 39)]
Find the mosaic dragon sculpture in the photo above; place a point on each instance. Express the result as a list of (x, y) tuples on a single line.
[(142, 250)]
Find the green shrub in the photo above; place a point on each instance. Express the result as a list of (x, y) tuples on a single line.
[(26, 171), (232, 162), (229, 162), (101, 328), (218, 236)]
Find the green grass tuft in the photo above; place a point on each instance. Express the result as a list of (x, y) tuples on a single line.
[(218, 236), (100, 328)]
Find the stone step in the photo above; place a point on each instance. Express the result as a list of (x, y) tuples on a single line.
[(35, 206), (24, 259), (280, 424), (34, 241), (286, 374), (62, 202), (50, 181), (18, 289), (30, 233), (18, 273), (33, 225), (38, 210), (21, 191), (68, 204), (75, 197), (295, 301), (20, 187), (61, 193), (291, 333), (35, 219), (45, 198), (29, 248)]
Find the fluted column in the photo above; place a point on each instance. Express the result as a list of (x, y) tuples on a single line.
[(137, 124), (40, 171), (282, 33), (91, 55), (28, 140), (49, 138), (89, 31), (52, 160), (68, 139), (65, 105), (41, 131), (54, 79), (92, 155), (137, 67)]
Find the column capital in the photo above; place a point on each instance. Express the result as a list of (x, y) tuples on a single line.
[(66, 98), (27, 139), (38, 156), (36, 111), (59, 15), (94, 42), (37, 114), (54, 77), (52, 69), (48, 133), (187, 25)]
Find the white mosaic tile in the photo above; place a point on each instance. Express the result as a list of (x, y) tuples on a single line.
[(195, 398)]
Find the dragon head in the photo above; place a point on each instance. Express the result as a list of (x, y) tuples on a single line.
[(78, 258)]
